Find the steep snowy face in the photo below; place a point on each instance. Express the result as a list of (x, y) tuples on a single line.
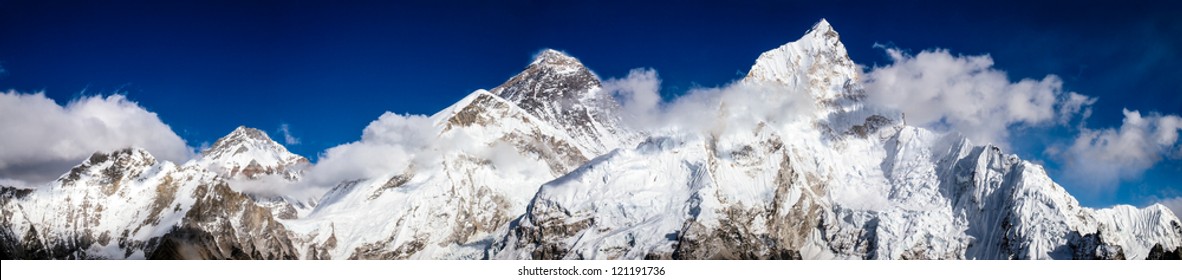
[(125, 204), (980, 203), (491, 157), (748, 196), (818, 65), (560, 91), (788, 194), (818, 61), (248, 153)]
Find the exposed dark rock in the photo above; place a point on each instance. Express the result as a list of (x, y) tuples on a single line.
[(394, 182), (1160, 253), (207, 231), (873, 124)]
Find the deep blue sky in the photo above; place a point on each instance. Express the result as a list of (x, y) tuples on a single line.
[(328, 69)]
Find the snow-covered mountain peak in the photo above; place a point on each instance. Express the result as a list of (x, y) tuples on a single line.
[(818, 66), (541, 168), (817, 62), (555, 58), (128, 157), (127, 204), (113, 166), (825, 33), (552, 76), (250, 153), (247, 132), (557, 89)]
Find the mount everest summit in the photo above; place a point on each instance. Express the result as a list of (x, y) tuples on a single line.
[(787, 163)]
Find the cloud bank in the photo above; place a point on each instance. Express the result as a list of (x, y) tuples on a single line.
[(42, 139), (965, 94), (1101, 158), (946, 92), (705, 111)]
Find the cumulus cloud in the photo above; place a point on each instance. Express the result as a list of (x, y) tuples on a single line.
[(392, 143), (43, 139), (1101, 158), (288, 139), (946, 92), (639, 96), (737, 107), (938, 90)]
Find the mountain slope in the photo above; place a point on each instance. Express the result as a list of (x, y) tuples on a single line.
[(254, 164), (126, 204), (493, 151), (790, 165), (833, 184)]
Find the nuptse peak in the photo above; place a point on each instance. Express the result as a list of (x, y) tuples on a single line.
[(546, 169)]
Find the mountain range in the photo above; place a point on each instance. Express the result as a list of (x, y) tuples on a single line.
[(786, 163)]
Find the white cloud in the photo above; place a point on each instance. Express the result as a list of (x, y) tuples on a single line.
[(946, 92), (288, 139), (1100, 159), (737, 107), (1175, 204), (941, 91), (42, 140), (391, 143), (639, 96)]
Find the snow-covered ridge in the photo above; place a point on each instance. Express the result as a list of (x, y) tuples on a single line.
[(541, 167), (126, 204), (858, 186)]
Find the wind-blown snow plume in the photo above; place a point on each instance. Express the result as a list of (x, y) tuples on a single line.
[(42, 139), (938, 90), (1100, 159), (288, 138)]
